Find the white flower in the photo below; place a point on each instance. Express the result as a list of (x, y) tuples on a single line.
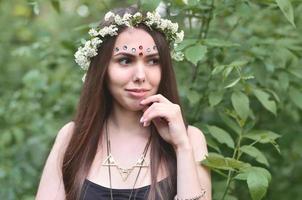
[(154, 18), (178, 56), (163, 24), (173, 27), (108, 30), (136, 15), (81, 59), (126, 17), (84, 78), (93, 32), (118, 20), (179, 37), (108, 15), (96, 41)]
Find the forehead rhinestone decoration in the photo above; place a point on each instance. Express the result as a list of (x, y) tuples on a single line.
[(133, 50), (125, 47), (148, 50)]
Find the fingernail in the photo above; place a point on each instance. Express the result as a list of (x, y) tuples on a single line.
[(141, 120), (144, 124)]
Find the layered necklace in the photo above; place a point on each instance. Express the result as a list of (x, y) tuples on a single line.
[(124, 172)]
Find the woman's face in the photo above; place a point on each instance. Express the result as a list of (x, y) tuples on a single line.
[(134, 72)]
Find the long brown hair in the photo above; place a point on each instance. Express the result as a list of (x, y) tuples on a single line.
[(94, 107)]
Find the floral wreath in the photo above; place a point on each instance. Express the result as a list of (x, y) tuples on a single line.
[(153, 20)]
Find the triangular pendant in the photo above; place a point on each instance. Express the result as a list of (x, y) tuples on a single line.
[(140, 162), (109, 161), (125, 172)]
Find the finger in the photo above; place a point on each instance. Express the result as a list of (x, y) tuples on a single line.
[(155, 98), (155, 113), (146, 111)]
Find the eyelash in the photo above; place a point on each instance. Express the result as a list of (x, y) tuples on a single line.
[(129, 60), (120, 60)]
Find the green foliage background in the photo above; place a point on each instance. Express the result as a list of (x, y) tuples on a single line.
[(240, 82)]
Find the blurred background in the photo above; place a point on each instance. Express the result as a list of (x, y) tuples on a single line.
[(239, 82)]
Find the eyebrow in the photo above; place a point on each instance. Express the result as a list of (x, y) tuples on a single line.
[(133, 55)]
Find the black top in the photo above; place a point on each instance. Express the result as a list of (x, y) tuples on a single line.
[(93, 191)]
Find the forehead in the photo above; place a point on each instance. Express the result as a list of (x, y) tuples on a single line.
[(134, 37)]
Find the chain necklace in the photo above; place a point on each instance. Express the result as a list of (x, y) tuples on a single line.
[(109, 161)]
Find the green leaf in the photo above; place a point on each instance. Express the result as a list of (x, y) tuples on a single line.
[(238, 63), (257, 184), (296, 97), (36, 7), (213, 144), (56, 5), (185, 43), (232, 83), (148, 5), (241, 103), (296, 72), (192, 2), (219, 43), (218, 69), (283, 80), (195, 53), (215, 98), (221, 136), (262, 136), (230, 123), (254, 152), (217, 161), (193, 96), (287, 9), (263, 97)]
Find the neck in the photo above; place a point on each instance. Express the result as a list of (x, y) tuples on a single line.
[(126, 122)]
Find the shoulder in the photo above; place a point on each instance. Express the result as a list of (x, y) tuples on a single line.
[(50, 186), (65, 132), (61, 142), (62, 139), (198, 142)]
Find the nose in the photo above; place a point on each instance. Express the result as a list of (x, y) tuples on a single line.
[(139, 73)]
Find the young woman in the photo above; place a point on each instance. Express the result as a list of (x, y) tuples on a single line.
[(129, 139)]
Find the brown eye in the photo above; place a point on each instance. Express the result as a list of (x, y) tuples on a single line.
[(124, 61), (153, 61)]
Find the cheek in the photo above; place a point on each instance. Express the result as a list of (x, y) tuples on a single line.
[(117, 76), (155, 77)]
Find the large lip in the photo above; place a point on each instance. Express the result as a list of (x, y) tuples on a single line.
[(137, 93), (137, 90)]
